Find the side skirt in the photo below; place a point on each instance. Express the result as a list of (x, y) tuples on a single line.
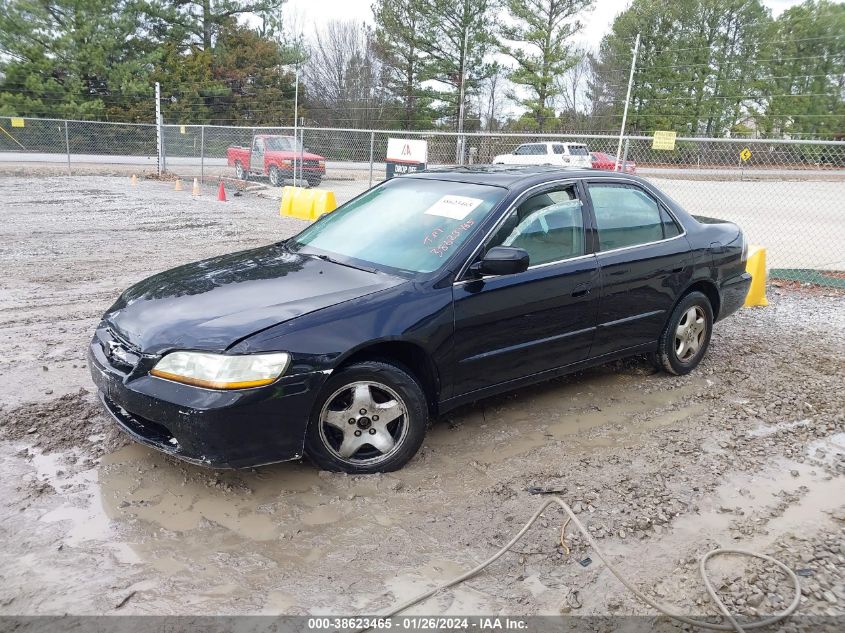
[(516, 383)]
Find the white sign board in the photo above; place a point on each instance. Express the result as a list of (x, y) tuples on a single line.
[(407, 151), (455, 207)]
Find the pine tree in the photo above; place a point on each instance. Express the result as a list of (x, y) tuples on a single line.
[(542, 31)]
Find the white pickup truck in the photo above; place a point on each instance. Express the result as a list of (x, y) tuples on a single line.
[(548, 153)]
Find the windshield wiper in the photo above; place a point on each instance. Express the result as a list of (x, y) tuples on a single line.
[(348, 265)]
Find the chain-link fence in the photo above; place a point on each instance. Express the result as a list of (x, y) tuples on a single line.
[(787, 195)]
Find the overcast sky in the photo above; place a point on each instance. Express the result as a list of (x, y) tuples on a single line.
[(311, 13)]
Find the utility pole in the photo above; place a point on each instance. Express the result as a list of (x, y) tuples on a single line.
[(627, 99), (158, 128), (459, 157), (295, 119)]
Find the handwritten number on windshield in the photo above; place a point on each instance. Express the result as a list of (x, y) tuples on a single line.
[(450, 239)]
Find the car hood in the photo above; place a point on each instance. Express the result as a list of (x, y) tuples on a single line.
[(211, 304)]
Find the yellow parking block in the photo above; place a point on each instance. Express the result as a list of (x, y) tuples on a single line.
[(306, 204), (756, 265)]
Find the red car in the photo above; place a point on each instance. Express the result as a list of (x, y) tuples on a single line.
[(276, 157), (608, 162)]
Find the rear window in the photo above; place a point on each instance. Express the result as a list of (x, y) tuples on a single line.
[(578, 150)]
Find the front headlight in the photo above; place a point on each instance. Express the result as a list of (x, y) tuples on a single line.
[(219, 371)]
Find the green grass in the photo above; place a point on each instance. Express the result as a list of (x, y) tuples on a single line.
[(829, 278)]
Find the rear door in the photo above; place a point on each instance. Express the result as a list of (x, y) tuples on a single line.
[(511, 326), (644, 260)]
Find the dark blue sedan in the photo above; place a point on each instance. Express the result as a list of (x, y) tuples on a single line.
[(425, 292)]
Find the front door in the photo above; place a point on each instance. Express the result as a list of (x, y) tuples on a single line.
[(256, 157), (643, 257), (511, 326)]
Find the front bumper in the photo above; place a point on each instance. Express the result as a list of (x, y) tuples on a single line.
[(221, 429), (311, 171)]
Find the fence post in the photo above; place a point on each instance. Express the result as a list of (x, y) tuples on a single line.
[(625, 154), (158, 128), (67, 147), (372, 145), (202, 154)]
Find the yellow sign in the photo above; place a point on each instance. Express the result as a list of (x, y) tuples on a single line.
[(745, 154), (17, 122), (181, 129), (663, 140)]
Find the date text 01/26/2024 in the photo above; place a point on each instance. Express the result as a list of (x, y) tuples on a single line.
[(418, 623)]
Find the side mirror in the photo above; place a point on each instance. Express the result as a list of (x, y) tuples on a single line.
[(502, 260)]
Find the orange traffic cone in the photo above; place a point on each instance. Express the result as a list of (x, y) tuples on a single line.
[(177, 186), (221, 192), (134, 180), (196, 190)]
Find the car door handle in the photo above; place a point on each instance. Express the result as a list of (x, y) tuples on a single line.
[(581, 290)]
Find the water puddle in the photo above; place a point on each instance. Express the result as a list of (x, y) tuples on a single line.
[(595, 409)]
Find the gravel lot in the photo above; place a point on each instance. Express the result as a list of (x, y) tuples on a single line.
[(748, 451)]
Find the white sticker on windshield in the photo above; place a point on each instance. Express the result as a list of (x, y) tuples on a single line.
[(455, 207)]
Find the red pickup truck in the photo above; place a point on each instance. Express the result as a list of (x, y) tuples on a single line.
[(276, 157)]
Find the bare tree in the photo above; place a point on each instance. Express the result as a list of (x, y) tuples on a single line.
[(493, 96), (573, 84), (343, 77)]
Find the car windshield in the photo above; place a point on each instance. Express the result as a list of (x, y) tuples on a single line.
[(409, 224), (578, 150), (283, 143)]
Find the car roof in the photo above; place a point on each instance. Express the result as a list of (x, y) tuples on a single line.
[(511, 175), (551, 143)]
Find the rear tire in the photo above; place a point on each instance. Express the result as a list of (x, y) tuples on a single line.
[(686, 337), (370, 417), (314, 182)]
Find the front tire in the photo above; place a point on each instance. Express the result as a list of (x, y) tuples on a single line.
[(240, 172), (686, 337), (275, 176), (369, 417)]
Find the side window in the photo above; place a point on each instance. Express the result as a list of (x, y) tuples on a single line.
[(670, 227), (549, 226), (625, 216), (557, 148), (522, 150)]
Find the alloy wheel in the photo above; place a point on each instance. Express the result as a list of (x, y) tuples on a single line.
[(363, 423), (690, 333)]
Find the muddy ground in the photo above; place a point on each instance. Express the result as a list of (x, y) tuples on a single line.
[(748, 451)]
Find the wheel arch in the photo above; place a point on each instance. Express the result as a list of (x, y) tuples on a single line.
[(410, 356), (709, 289)]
